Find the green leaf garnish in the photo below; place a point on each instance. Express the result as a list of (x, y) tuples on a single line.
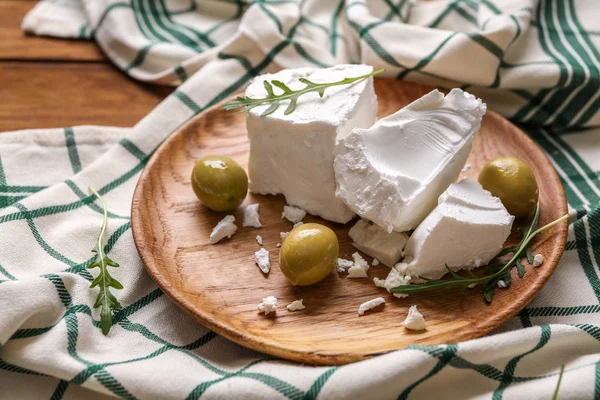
[(106, 301), (493, 272), (247, 103)]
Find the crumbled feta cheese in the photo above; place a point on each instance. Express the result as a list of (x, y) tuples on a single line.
[(501, 284), (296, 305), (375, 262), (278, 245), (375, 241), (251, 217), (466, 168), (414, 321), (293, 214), (261, 258), (343, 265), (298, 224), (472, 285), (538, 260), (394, 278), (268, 305), (225, 228), (359, 268), (293, 154), (283, 235), (259, 240), (368, 305)]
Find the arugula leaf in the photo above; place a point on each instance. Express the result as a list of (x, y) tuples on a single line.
[(247, 103), (106, 301)]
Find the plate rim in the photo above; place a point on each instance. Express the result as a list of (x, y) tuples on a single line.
[(268, 346)]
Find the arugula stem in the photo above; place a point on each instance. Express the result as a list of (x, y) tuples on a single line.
[(560, 376), (104, 223)]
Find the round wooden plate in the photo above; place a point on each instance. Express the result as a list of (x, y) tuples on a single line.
[(221, 286)]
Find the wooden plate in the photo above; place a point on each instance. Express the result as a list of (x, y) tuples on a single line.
[(221, 286)]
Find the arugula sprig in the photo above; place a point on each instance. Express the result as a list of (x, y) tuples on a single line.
[(106, 301), (288, 94), (494, 272)]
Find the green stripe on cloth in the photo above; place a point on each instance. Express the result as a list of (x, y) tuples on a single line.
[(92, 205), (180, 72), (448, 354), (4, 272), (8, 200), (140, 57), (2, 174), (19, 370), (334, 25), (60, 390), (185, 99), (72, 149), (21, 189), (133, 149)]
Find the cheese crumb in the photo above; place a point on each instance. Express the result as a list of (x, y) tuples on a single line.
[(251, 217), (298, 224), (225, 228), (283, 235), (501, 284), (259, 240), (472, 285), (394, 279), (538, 260), (414, 320), (360, 267), (293, 214), (343, 265), (466, 168), (296, 305), (375, 262), (261, 258), (368, 305), (268, 305), (278, 245)]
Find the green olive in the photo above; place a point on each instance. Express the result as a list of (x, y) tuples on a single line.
[(510, 179), (308, 254), (219, 182)]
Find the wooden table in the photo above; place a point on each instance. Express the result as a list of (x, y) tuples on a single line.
[(52, 83)]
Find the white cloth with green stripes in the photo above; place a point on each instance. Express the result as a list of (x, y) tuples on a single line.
[(535, 61)]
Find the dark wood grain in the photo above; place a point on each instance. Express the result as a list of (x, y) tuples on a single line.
[(221, 286), (48, 95)]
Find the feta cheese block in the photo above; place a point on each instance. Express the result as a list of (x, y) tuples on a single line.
[(225, 228), (293, 154), (393, 172), (377, 242), (466, 230)]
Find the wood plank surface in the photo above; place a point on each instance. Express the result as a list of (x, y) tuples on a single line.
[(56, 94), (16, 45)]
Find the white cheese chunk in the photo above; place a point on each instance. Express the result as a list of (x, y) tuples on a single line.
[(393, 172), (293, 154), (395, 278), (283, 235), (466, 168), (501, 284), (278, 245), (225, 228), (343, 265), (251, 217), (369, 305), (293, 214), (259, 240), (377, 242), (466, 230), (296, 305), (268, 305), (375, 262), (538, 259), (261, 257), (359, 268), (414, 321)]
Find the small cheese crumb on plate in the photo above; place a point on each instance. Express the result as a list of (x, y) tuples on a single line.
[(268, 305), (538, 260), (283, 235), (293, 214), (259, 240), (414, 320), (375, 262), (261, 258), (278, 245), (251, 217), (225, 228), (360, 267), (466, 168), (501, 284), (342, 265), (394, 279), (369, 305), (296, 305)]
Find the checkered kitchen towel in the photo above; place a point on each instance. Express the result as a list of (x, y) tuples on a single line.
[(535, 61)]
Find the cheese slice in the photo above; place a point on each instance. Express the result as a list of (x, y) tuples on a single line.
[(376, 242), (466, 230), (393, 172), (293, 154)]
